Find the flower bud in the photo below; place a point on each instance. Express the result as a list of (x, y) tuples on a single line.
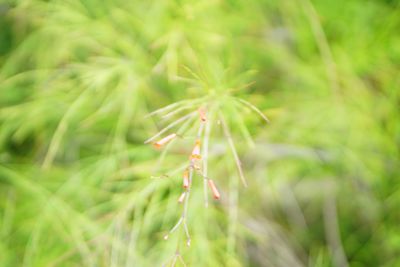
[(214, 189), (165, 140)]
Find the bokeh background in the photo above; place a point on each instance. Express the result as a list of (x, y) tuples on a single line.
[(78, 78)]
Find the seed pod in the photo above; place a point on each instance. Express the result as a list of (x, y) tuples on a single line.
[(214, 189), (182, 197), (165, 140), (186, 179), (202, 114), (196, 151)]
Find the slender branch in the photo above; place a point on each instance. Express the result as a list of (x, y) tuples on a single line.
[(242, 127), (233, 213), (60, 130), (323, 45), (233, 149), (182, 129), (173, 106), (166, 108), (176, 111), (205, 159), (186, 205), (181, 260), (332, 232), (252, 107), (171, 125)]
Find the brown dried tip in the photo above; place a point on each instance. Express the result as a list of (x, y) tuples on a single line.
[(214, 189), (186, 179), (164, 140), (196, 151), (202, 114), (182, 197)]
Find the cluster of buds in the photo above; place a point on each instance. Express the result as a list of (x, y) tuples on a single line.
[(198, 157), (194, 159), (194, 166)]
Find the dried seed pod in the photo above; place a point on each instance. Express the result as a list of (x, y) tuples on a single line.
[(214, 189), (182, 197), (196, 151), (186, 179), (165, 140)]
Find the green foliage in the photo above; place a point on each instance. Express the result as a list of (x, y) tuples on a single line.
[(79, 78)]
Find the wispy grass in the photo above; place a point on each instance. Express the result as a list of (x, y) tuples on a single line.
[(86, 87)]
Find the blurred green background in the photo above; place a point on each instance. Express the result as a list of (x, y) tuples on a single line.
[(78, 78)]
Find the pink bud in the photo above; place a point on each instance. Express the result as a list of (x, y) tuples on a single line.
[(214, 189), (182, 197), (186, 179), (196, 151), (202, 114), (164, 140)]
